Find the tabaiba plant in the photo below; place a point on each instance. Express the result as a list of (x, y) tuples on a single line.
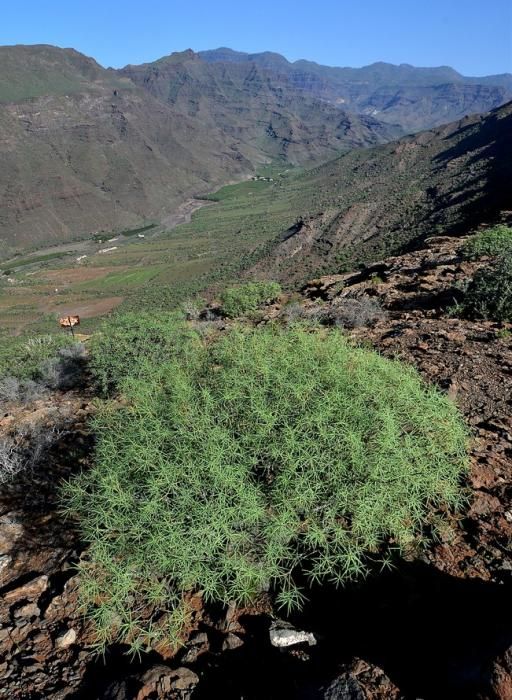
[(489, 294), (265, 452), (244, 298), (489, 243), (131, 343)]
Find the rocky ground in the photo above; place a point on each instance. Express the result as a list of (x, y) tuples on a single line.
[(438, 626), (472, 361)]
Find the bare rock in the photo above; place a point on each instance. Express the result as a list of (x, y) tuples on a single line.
[(232, 642), (345, 687), (502, 676), (26, 612), (30, 591), (197, 645), (66, 640), (164, 682), (283, 635)]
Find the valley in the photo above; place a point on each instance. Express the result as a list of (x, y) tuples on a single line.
[(89, 150), (135, 270), (273, 460), (288, 224)]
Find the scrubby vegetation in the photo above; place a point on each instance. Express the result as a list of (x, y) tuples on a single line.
[(131, 344), (25, 445), (31, 366), (355, 312), (489, 295), (343, 312), (245, 298), (24, 357), (232, 464), (491, 242)]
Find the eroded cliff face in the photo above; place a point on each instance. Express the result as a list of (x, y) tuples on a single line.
[(413, 107), (413, 98), (264, 111)]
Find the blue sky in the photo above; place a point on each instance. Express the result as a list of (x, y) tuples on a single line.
[(473, 36)]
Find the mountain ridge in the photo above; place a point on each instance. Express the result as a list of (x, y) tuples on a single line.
[(443, 72), (88, 149), (416, 98), (369, 204)]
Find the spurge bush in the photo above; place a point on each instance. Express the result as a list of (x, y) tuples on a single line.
[(240, 300), (264, 453), (489, 295), (489, 243)]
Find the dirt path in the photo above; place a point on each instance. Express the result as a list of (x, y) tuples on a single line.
[(183, 213)]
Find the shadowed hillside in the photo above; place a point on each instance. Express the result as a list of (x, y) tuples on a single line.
[(369, 203)]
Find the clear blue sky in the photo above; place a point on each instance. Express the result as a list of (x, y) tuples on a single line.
[(473, 36)]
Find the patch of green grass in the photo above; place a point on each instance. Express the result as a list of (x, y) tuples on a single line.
[(232, 464), (119, 282), (15, 263), (245, 298), (490, 243), (240, 191)]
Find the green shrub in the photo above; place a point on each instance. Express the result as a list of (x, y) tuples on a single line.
[(493, 242), (489, 295), (132, 343), (24, 358), (241, 300), (263, 452)]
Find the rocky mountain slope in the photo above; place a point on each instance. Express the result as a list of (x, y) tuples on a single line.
[(84, 149), (262, 112), (370, 203), (436, 627), (87, 149), (415, 98)]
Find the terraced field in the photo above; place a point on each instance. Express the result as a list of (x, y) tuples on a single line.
[(364, 205), (238, 219)]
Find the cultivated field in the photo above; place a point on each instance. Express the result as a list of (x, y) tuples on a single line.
[(79, 278)]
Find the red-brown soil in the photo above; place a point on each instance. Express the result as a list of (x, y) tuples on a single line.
[(437, 627)]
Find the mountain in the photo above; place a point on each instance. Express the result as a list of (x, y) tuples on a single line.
[(415, 98), (83, 149), (375, 202), (87, 149), (35, 71), (262, 113)]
